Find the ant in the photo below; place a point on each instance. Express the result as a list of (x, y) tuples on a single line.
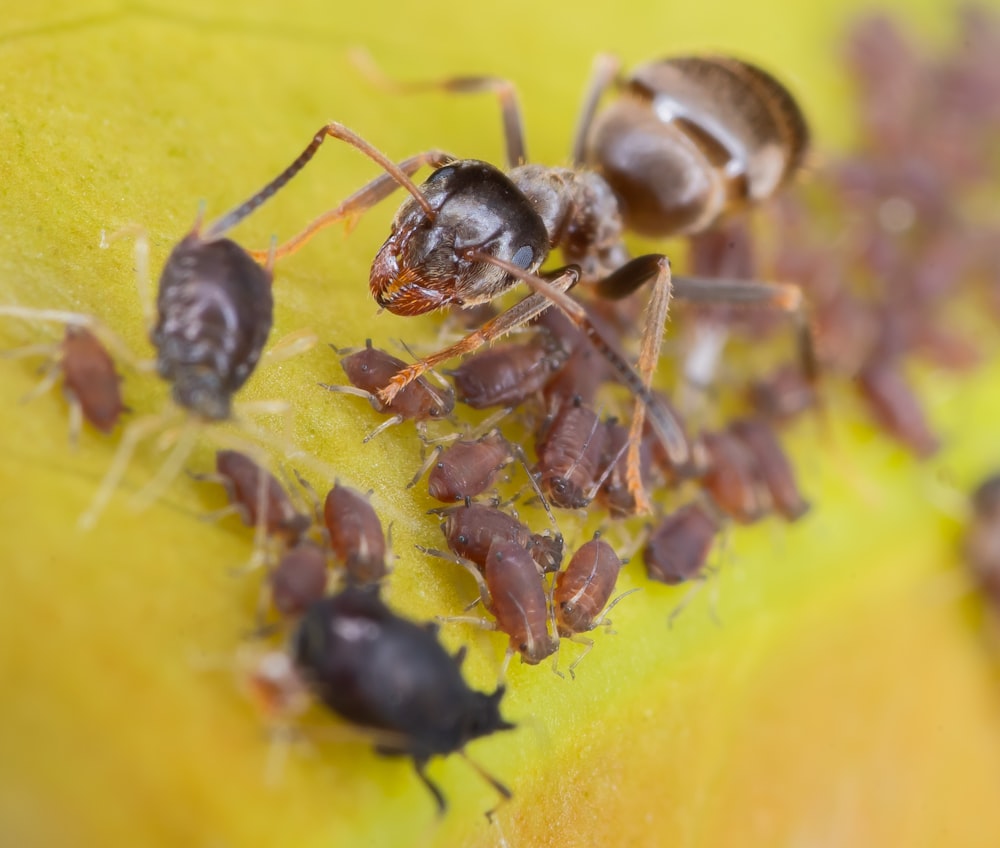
[(689, 141)]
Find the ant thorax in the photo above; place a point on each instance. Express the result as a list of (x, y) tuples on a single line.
[(581, 215)]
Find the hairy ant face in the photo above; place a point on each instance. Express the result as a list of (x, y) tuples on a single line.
[(424, 263)]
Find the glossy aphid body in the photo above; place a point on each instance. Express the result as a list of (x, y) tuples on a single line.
[(569, 453), (773, 466), (258, 497), (508, 374), (732, 478), (467, 468), (369, 368), (582, 590), (299, 579), (355, 535), (391, 676), (677, 550)]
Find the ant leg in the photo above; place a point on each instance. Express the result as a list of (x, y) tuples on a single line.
[(606, 67), (517, 316), (506, 92), (420, 765), (501, 788)]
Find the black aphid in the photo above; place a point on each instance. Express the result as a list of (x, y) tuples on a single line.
[(391, 675)]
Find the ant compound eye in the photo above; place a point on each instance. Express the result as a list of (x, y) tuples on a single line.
[(524, 257)]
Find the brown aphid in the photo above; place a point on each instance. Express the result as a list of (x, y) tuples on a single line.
[(356, 535), (299, 579), (733, 479), (468, 468), (584, 588), (508, 374), (982, 541), (782, 395), (369, 369), (258, 496), (895, 407), (569, 456), (547, 551), (90, 378), (471, 529), (773, 466), (517, 601), (677, 550), (614, 494)]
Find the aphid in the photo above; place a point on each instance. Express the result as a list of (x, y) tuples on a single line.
[(614, 494), (91, 384), (678, 548), (982, 541), (370, 368), (691, 139), (772, 465), (466, 468), (356, 535), (257, 497), (508, 374), (512, 591), (581, 592), (392, 676), (733, 479), (299, 579), (895, 407), (214, 312), (569, 457), (782, 395)]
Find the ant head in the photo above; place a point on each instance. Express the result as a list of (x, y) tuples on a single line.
[(424, 263)]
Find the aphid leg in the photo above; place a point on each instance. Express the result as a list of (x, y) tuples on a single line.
[(698, 584), (602, 620), (588, 646), (432, 457), (134, 433), (385, 425), (287, 347), (357, 204), (517, 316), (50, 350), (606, 67), (142, 279), (183, 445), (468, 565), (75, 418), (420, 765), (506, 92), (522, 458)]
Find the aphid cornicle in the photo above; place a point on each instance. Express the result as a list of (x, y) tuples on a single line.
[(392, 676)]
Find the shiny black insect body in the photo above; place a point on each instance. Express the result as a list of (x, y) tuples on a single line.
[(392, 676)]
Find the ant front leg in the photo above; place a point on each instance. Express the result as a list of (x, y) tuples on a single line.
[(517, 316), (505, 90)]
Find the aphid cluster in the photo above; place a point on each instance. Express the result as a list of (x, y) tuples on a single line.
[(679, 148)]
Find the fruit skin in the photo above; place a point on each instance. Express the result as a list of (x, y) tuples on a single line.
[(844, 699)]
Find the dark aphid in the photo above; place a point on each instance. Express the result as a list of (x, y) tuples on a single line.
[(733, 479), (547, 551), (391, 676), (508, 374), (516, 599), (356, 535), (258, 497), (215, 310), (370, 368), (677, 551), (772, 465), (569, 456), (299, 579)]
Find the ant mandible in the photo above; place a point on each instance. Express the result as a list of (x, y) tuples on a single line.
[(689, 141)]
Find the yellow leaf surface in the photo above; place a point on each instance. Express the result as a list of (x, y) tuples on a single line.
[(843, 697)]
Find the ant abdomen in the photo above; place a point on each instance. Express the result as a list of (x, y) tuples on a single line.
[(693, 138), (215, 310)]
